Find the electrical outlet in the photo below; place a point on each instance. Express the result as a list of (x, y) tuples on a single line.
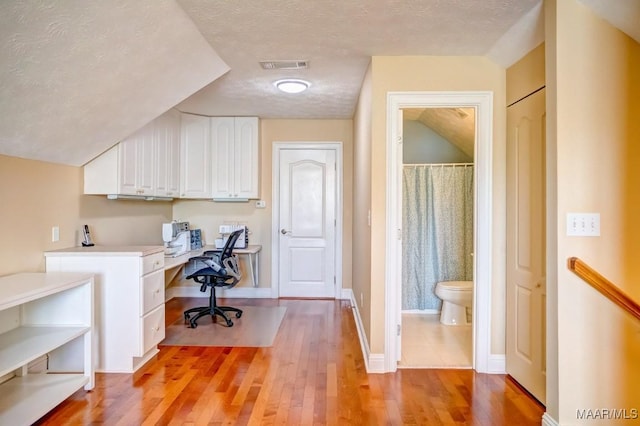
[(583, 224), (261, 204), (55, 234)]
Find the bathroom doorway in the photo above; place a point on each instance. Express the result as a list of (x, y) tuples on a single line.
[(482, 102), (437, 236)]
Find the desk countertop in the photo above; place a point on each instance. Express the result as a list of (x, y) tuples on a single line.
[(106, 251), (172, 262)]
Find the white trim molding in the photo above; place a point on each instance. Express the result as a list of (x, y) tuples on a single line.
[(482, 102), (275, 213), (547, 420), (373, 363), (497, 364)]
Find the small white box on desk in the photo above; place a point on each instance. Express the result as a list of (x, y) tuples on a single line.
[(225, 230)]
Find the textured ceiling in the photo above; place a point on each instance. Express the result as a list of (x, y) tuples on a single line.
[(76, 76), (338, 37), (456, 125)]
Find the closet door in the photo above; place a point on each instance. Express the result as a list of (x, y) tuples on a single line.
[(526, 285)]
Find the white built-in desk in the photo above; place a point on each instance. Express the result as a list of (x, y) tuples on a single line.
[(252, 252), (129, 283), (44, 314)]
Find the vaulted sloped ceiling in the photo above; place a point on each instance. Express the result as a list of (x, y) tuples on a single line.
[(78, 76), (456, 125)]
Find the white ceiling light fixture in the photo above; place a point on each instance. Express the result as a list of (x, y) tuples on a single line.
[(292, 85)]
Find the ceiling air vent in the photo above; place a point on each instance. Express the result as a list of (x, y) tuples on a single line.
[(284, 65)]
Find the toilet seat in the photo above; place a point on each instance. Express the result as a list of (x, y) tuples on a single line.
[(457, 285)]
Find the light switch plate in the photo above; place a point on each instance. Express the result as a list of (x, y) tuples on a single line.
[(583, 224)]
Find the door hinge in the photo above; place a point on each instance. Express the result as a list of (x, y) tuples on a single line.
[(399, 327), (399, 139), (399, 234), (334, 280)]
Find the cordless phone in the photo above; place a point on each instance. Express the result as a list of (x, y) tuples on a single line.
[(87, 237)]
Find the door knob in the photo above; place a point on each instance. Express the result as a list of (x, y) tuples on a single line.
[(284, 231)]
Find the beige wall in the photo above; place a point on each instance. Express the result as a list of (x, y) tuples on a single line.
[(208, 215), (526, 76), (362, 204), (430, 73), (39, 195), (594, 130)]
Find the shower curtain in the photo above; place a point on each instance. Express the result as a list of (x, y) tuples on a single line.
[(437, 216)]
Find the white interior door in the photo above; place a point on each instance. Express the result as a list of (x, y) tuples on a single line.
[(526, 286), (307, 223)]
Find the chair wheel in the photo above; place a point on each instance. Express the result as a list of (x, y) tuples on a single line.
[(193, 325), (229, 323), (238, 314)]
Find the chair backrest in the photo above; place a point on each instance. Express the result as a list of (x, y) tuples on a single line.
[(227, 250)]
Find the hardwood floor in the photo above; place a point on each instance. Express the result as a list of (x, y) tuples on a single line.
[(313, 375)]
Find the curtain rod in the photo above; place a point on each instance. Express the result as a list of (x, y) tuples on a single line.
[(438, 164)]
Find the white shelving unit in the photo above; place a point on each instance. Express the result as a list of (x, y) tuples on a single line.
[(44, 315)]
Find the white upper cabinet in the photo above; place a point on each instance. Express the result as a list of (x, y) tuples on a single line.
[(146, 164), (220, 157), (137, 164), (195, 154), (235, 157), (182, 155), (167, 154)]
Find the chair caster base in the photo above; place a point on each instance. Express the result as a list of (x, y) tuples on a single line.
[(218, 311)]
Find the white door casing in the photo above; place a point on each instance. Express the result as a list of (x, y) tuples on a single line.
[(306, 227), (483, 361), (526, 283)]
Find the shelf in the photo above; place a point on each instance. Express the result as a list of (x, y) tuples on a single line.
[(24, 344), (23, 400), (22, 288)]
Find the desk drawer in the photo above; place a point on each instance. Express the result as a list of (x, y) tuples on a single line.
[(153, 262), (152, 329), (152, 288)]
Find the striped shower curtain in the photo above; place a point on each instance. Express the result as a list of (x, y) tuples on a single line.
[(437, 216)]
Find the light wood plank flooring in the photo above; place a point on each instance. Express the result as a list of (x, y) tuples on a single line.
[(313, 375)]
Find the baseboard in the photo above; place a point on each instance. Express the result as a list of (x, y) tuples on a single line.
[(547, 420), (497, 364), (422, 311), (236, 292), (346, 294), (373, 363)]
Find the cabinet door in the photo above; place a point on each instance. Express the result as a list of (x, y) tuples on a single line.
[(245, 158), (145, 173), (195, 157), (173, 161), (136, 163), (167, 154), (127, 164), (223, 143)]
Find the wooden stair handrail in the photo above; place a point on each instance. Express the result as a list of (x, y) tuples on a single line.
[(604, 286)]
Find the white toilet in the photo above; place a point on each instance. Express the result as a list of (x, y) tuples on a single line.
[(456, 297)]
